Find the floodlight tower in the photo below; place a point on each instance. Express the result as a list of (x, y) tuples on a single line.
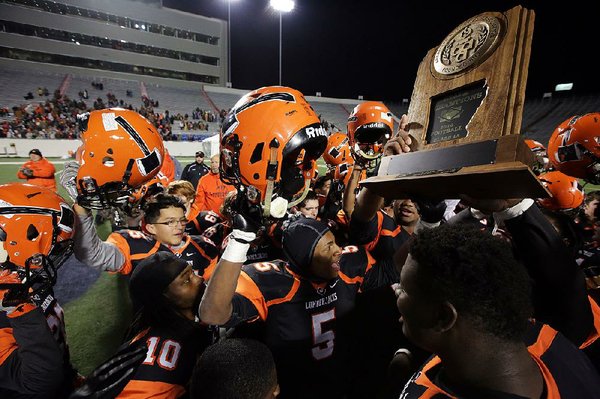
[(281, 6)]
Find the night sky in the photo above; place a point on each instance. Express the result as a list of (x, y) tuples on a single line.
[(373, 48)]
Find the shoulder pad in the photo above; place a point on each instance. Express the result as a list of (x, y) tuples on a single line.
[(354, 261), (272, 278)]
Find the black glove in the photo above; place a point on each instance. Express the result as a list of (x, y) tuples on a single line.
[(109, 379), (431, 211), (27, 172), (240, 222)]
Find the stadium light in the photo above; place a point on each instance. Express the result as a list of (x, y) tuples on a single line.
[(229, 84), (281, 6), (563, 87)]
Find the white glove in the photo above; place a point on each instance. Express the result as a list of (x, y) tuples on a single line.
[(278, 207), (238, 245), (68, 178)]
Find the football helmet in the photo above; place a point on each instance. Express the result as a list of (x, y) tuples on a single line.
[(541, 162), (343, 172), (121, 151), (574, 147), (370, 124), (36, 230), (270, 141), (142, 194), (566, 191), (535, 146), (337, 150), (156, 185)]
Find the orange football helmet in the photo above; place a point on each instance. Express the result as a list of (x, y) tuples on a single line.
[(121, 151), (156, 185), (541, 162), (566, 191), (344, 171), (36, 230), (534, 145), (370, 123), (574, 147), (337, 150), (270, 141)]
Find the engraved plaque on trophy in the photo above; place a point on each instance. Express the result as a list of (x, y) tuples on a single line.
[(466, 110)]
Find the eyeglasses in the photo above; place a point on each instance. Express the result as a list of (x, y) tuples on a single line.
[(173, 222)]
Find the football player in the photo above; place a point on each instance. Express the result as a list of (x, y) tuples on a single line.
[(121, 152), (36, 228), (166, 325), (301, 307)]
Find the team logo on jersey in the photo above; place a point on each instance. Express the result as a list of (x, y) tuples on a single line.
[(321, 302)]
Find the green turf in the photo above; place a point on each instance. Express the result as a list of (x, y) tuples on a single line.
[(97, 321)]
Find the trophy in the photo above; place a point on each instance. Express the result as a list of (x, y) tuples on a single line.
[(466, 110)]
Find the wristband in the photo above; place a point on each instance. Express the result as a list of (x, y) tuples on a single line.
[(235, 251)]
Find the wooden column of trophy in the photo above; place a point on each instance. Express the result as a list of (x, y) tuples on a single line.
[(466, 108)]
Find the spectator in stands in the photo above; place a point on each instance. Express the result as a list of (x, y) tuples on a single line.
[(29, 96), (211, 191), (38, 170), (195, 170), (235, 368)]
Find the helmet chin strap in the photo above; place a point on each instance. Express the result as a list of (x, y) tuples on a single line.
[(3, 253), (304, 193), (271, 176)]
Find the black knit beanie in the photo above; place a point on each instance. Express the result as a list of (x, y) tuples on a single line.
[(152, 276), (299, 241)]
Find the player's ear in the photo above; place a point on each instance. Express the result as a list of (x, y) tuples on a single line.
[(150, 228), (447, 317)]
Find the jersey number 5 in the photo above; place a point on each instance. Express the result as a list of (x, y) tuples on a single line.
[(323, 339)]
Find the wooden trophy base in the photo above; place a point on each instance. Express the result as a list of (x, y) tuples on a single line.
[(486, 169)]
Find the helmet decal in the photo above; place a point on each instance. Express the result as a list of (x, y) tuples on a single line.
[(121, 151), (232, 122), (132, 132)]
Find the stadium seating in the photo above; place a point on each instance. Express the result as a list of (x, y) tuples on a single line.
[(118, 87), (335, 114), (223, 100), (16, 84), (541, 116)]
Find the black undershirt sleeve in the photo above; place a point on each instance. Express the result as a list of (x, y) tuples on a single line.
[(559, 292)]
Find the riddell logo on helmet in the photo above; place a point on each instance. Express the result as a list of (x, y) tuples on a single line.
[(373, 125), (312, 132)]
